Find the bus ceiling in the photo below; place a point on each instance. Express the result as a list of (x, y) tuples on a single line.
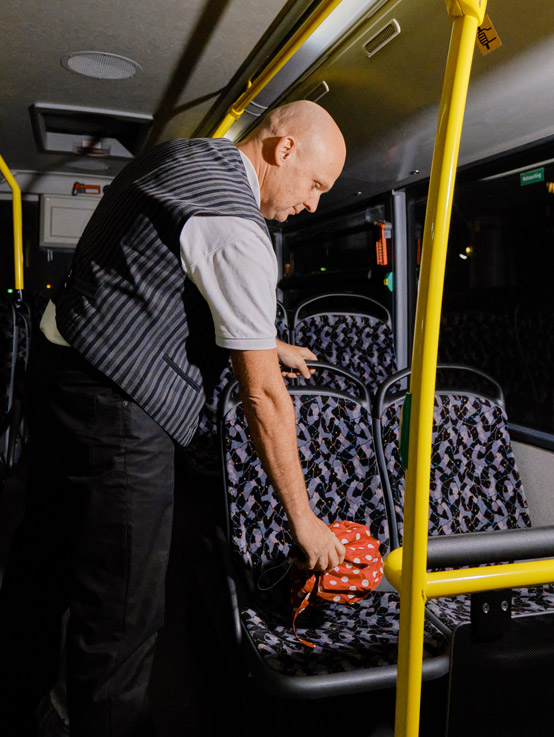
[(376, 65)]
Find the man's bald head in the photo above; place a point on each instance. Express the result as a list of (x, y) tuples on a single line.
[(298, 152), (304, 119)]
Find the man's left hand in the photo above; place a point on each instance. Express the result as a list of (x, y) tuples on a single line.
[(293, 360)]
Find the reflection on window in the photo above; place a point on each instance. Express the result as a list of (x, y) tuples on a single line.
[(498, 307)]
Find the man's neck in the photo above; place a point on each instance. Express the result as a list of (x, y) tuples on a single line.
[(252, 150)]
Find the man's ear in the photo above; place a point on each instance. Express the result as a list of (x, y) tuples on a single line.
[(284, 147)]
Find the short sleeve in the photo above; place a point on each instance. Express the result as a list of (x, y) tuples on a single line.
[(232, 263)]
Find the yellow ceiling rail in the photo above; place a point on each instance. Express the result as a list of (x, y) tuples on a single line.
[(275, 65), (466, 16), (17, 225)]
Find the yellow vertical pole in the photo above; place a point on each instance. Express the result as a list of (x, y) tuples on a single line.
[(17, 225), (466, 16)]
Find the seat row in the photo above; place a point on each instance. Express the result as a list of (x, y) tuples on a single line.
[(351, 458), (19, 319), (348, 330), (511, 339), (15, 336)]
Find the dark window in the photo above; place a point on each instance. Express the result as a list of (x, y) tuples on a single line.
[(498, 306)]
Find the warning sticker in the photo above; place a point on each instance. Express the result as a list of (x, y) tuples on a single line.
[(487, 37)]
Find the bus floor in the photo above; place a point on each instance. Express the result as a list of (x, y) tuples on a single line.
[(195, 688)]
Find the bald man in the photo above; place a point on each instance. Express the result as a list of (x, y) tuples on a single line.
[(298, 152), (175, 265)]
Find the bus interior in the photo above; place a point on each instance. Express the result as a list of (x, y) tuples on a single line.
[(100, 83)]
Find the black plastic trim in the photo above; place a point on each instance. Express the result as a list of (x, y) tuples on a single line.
[(490, 547), (530, 436)]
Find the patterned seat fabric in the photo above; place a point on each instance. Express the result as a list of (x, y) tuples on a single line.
[(8, 361), (362, 344), (454, 610), (534, 324), (485, 338), (203, 451), (475, 486), (364, 635), (8, 355), (338, 459)]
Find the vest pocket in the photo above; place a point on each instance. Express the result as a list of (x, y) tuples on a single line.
[(179, 370)]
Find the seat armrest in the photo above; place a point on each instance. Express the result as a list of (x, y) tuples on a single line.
[(490, 547)]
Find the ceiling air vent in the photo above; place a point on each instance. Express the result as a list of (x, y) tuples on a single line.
[(89, 131), (382, 38), (318, 91)]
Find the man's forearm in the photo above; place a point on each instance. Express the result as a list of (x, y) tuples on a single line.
[(270, 415)]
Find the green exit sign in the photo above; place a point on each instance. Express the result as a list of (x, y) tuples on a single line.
[(531, 177)]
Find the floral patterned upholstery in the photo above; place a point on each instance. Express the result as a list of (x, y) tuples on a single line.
[(339, 463)]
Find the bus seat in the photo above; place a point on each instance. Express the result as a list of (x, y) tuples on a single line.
[(202, 454), (348, 330), (534, 330), (8, 362), (282, 323), (355, 645), (474, 486), (482, 334), (18, 432)]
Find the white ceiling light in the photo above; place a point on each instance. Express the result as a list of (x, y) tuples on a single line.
[(100, 65)]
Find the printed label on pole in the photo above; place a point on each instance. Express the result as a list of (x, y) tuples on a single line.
[(487, 37), (531, 177)]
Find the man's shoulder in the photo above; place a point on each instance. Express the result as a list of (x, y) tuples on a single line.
[(216, 148)]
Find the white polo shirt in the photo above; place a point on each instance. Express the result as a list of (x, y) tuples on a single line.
[(232, 262)]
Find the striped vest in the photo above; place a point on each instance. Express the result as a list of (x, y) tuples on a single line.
[(126, 305)]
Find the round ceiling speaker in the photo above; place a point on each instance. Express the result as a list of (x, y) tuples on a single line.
[(100, 65)]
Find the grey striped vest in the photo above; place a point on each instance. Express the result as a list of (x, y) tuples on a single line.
[(126, 305)]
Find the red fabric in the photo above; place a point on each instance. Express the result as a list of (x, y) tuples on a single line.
[(359, 573)]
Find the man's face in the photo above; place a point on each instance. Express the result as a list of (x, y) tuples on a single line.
[(299, 180)]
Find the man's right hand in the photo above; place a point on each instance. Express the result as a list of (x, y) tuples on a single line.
[(322, 549)]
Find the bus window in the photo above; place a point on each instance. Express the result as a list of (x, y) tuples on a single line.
[(498, 306), (339, 254)]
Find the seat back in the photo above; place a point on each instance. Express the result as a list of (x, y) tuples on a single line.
[(337, 455), (8, 363), (282, 323), (474, 482), (352, 331)]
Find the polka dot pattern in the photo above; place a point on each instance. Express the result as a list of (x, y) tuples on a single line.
[(346, 583)]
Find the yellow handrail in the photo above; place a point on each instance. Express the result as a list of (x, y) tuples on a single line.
[(17, 225), (473, 580), (275, 65), (466, 16)]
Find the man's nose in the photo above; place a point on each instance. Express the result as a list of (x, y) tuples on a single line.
[(312, 203)]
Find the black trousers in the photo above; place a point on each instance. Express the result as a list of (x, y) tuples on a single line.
[(95, 541)]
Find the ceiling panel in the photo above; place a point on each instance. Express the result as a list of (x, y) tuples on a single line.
[(188, 50)]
